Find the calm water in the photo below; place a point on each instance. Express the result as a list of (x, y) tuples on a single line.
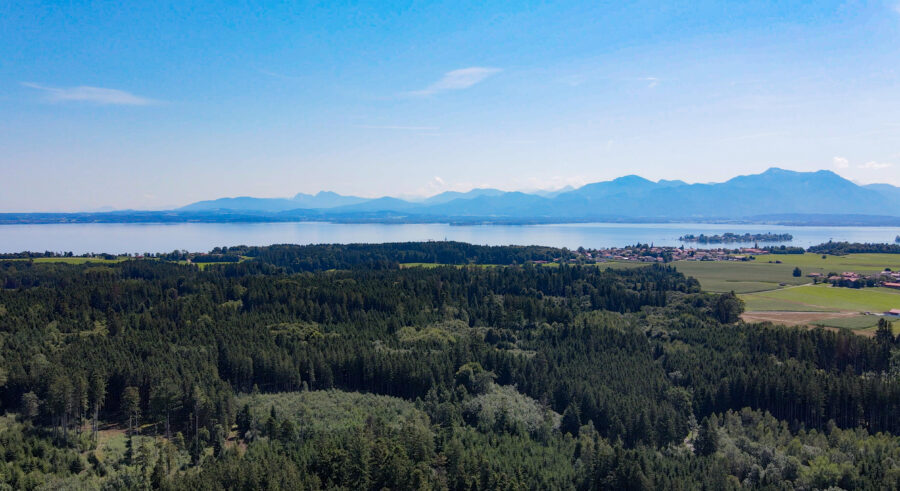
[(198, 237)]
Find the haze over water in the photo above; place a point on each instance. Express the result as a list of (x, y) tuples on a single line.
[(201, 237)]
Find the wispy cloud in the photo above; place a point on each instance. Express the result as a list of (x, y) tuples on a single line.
[(843, 163), (458, 80), (651, 81), (96, 95), (875, 165)]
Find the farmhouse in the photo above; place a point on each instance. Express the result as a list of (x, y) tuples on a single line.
[(893, 313), (891, 284)]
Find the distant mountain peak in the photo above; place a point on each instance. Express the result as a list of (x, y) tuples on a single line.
[(632, 179), (775, 191)]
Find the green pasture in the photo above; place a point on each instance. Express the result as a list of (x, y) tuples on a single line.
[(813, 263), (826, 298), (755, 302), (740, 276), (71, 260), (764, 273)]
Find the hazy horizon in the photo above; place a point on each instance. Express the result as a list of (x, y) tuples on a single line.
[(408, 197), (160, 105)]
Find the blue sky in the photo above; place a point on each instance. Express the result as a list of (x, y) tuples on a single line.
[(105, 104)]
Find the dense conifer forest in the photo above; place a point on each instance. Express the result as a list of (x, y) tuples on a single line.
[(343, 367)]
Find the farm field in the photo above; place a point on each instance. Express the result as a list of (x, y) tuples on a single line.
[(822, 305), (765, 274), (772, 294), (825, 297), (72, 260), (740, 277), (813, 263)]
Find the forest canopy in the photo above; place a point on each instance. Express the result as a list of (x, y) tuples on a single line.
[(308, 367)]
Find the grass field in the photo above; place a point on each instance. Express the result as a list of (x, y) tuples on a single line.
[(73, 260), (822, 305), (740, 276), (771, 292), (813, 263), (764, 274), (824, 297)]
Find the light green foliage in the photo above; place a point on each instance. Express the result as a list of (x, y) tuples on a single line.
[(474, 378), (232, 304), (503, 408), (306, 331), (319, 412), (761, 450), (33, 461), (440, 333)]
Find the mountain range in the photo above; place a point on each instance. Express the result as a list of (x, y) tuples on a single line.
[(774, 196), (773, 192)]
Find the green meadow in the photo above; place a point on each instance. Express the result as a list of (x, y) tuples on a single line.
[(828, 298), (740, 276), (814, 263), (764, 273), (767, 286), (72, 260)]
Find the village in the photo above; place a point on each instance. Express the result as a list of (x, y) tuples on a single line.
[(650, 254)]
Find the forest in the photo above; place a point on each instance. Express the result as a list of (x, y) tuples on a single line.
[(341, 367), (842, 248)]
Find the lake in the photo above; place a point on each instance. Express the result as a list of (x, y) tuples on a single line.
[(201, 237)]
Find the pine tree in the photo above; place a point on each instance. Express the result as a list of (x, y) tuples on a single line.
[(571, 420), (707, 441)]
